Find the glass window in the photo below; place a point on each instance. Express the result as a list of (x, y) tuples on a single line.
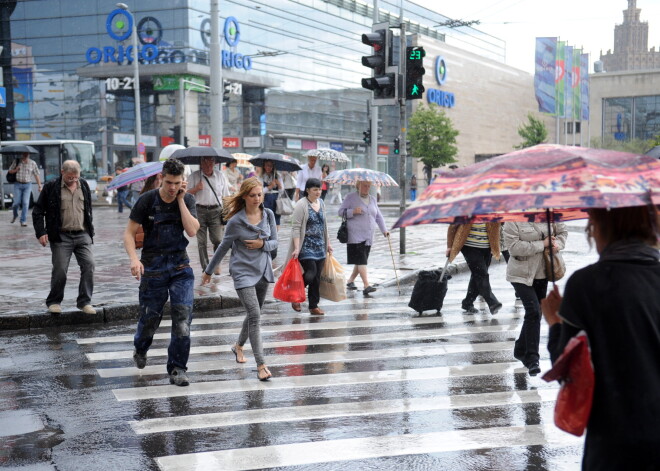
[(84, 154), (647, 117), (617, 118)]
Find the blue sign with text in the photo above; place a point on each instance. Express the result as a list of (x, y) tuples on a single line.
[(3, 97)]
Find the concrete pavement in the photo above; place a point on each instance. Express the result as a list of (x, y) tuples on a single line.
[(26, 268)]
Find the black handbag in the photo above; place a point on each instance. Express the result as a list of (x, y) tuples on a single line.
[(11, 177), (342, 233)]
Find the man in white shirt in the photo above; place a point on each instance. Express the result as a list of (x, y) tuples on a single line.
[(311, 170), (209, 185)]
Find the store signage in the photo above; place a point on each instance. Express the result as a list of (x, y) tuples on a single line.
[(338, 146), (349, 148), (308, 145), (361, 148), (441, 98), (278, 142), (440, 70), (323, 145), (383, 150), (173, 82), (119, 26), (294, 144), (204, 140), (252, 141), (230, 142)]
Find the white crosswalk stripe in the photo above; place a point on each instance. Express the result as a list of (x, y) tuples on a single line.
[(326, 376)]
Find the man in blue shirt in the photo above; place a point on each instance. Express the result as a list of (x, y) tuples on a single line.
[(165, 213)]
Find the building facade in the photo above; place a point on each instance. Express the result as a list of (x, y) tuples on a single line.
[(631, 44), (292, 71)]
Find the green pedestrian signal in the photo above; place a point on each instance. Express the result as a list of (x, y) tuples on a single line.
[(415, 72)]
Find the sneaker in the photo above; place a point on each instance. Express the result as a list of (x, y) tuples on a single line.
[(494, 308), (88, 309), (534, 369), (351, 286), (55, 309), (469, 309), (368, 289), (140, 359), (179, 377), (24, 224)]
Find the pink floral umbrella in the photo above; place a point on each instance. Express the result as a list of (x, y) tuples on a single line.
[(538, 183)]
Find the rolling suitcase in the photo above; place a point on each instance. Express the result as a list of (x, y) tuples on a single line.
[(429, 291)]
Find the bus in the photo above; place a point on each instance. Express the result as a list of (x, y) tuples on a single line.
[(52, 153)]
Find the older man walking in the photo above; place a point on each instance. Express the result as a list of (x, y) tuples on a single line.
[(311, 170), (62, 216), (208, 185), (24, 169)]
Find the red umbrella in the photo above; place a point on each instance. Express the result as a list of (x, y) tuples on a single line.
[(529, 184)]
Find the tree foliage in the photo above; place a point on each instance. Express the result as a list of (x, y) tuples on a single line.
[(533, 132), (432, 136)]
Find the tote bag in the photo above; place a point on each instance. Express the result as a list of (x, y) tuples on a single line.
[(333, 281), (284, 205)]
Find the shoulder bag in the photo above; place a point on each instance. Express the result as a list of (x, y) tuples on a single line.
[(342, 233), (558, 263), (11, 177), (283, 204), (222, 219)]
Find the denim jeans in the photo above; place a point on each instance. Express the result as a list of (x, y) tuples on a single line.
[(209, 221), (80, 245), (478, 261), (21, 198), (526, 348), (252, 299), (312, 277), (122, 199), (167, 275), (270, 202)]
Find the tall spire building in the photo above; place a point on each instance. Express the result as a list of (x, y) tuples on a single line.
[(631, 39)]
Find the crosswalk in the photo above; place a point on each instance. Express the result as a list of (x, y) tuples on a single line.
[(370, 385)]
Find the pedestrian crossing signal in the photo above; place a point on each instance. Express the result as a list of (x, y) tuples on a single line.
[(415, 72)]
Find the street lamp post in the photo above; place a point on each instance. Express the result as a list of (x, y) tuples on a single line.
[(136, 78)]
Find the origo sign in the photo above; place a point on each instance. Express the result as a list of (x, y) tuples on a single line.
[(440, 97), (119, 26)]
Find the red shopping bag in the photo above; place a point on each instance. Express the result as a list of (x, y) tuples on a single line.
[(290, 287), (574, 370)]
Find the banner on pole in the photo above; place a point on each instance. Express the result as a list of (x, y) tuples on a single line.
[(568, 82), (559, 79), (544, 74), (577, 85), (584, 86)]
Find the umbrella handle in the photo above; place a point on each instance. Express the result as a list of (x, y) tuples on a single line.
[(444, 270)]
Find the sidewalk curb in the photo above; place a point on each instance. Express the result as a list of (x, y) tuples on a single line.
[(104, 314), (452, 269)]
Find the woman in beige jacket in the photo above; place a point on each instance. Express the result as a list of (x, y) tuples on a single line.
[(478, 242), (526, 272)]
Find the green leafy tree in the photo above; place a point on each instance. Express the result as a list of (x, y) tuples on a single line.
[(533, 132), (432, 136)]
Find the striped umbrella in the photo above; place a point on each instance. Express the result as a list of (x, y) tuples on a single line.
[(135, 174), (353, 175), (328, 154)]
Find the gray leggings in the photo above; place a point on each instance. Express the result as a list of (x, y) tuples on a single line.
[(252, 299)]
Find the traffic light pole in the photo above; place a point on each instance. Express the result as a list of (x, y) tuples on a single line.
[(404, 133), (374, 112)]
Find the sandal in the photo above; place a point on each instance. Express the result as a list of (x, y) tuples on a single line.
[(263, 369), (236, 349)]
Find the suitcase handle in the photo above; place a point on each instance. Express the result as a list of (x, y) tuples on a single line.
[(444, 270)]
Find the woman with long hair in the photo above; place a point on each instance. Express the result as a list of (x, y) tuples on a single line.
[(616, 301), (310, 242), (272, 188), (251, 235)]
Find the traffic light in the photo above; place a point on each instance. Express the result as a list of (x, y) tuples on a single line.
[(382, 83), (226, 90), (397, 149), (176, 134), (408, 148), (415, 72), (367, 137)]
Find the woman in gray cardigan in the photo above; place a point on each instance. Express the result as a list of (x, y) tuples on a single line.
[(310, 242), (250, 234)]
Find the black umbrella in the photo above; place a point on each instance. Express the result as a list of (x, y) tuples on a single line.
[(280, 161), (18, 149), (193, 155)]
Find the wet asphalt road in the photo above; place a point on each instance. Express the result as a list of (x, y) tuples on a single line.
[(370, 385)]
